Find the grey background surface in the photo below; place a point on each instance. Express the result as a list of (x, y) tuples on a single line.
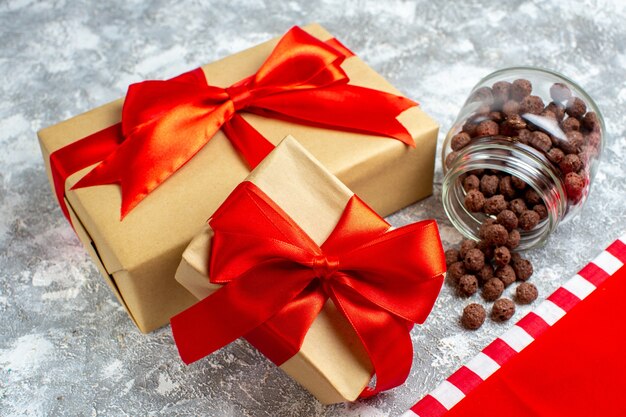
[(68, 348)]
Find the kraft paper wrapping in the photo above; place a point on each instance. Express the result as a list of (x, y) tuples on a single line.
[(332, 364), (139, 255)]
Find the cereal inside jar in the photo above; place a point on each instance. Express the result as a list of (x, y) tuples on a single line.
[(523, 152)]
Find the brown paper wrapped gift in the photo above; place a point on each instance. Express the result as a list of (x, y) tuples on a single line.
[(331, 363), (138, 255)]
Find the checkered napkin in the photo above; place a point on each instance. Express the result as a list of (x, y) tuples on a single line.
[(565, 358)]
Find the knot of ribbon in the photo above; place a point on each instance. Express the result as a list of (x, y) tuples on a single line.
[(165, 123), (325, 267), (276, 277), (240, 94)]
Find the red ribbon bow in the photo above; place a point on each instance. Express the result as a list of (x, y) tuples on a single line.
[(277, 281), (165, 123)]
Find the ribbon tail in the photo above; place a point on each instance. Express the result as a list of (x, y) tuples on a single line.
[(236, 309), (281, 337), (250, 144), (384, 336)]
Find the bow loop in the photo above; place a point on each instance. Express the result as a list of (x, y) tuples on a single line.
[(300, 61), (406, 280), (148, 102), (267, 234)]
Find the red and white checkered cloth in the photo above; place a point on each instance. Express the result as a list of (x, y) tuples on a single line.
[(464, 386)]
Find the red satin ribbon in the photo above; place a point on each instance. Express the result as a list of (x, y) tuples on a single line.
[(277, 281), (165, 123)]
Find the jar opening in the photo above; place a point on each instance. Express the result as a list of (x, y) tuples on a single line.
[(504, 155)]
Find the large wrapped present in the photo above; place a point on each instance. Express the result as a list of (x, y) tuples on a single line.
[(168, 155)]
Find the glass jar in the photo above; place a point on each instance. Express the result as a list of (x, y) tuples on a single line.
[(533, 125)]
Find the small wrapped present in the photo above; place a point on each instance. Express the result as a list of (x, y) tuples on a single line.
[(168, 155), (312, 277)]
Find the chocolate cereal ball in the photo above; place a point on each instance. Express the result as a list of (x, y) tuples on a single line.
[(474, 201), (540, 141), (518, 206), (518, 183), (513, 240), (483, 94), (501, 91), (515, 257), (510, 108), (489, 185), (501, 256), (586, 153), (492, 290), (506, 187), (576, 107), (468, 285), (460, 140), (515, 122), (466, 245), (473, 316), (528, 220), (520, 89), (483, 227), (555, 155), (573, 142), (503, 309), (526, 293), (570, 163), (524, 135), (485, 273), (471, 182), (570, 124), (560, 92), (593, 139), (456, 271), (541, 210), (548, 114), (487, 128), (495, 204), (486, 249), (506, 274), (574, 185), (523, 269), (452, 256), (531, 104), (556, 108), (508, 219), (590, 121), (451, 158), (532, 197), (496, 235), (474, 260), (470, 127)]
